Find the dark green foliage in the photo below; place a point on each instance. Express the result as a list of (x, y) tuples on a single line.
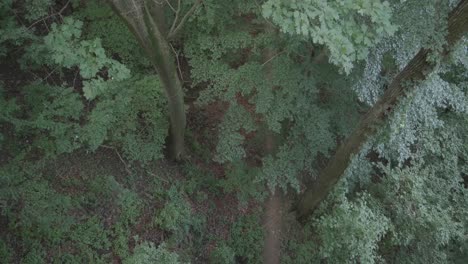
[(118, 41), (175, 215), (129, 114), (11, 33), (148, 253), (71, 228), (242, 181), (37, 8), (5, 252), (54, 121), (222, 255), (83, 129), (246, 238), (186, 228)]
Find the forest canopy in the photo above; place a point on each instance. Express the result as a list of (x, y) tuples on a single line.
[(220, 131)]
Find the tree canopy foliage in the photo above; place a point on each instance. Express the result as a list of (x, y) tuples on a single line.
[(154, 131)]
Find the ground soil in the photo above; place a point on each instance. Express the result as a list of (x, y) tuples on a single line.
[(273, 229)]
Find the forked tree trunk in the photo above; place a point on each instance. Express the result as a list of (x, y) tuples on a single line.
[(414, 71), (146, 22)]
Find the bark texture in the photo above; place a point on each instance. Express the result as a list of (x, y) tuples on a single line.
[(416, 70), (146, 22)]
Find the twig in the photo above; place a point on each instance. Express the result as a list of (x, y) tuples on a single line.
[(274, 56), (74, 79), (59, 13), (174, 32), (169, 4), (50, 73), (178, 63), (176, 17), (120, 157), (159, 177)]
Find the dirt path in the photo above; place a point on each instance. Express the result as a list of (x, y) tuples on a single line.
[(272, 226)]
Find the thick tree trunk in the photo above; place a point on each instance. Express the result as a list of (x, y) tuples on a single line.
[(414, 71), (147, 24)]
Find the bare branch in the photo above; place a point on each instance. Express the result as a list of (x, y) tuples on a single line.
[(120, 158), (274, 56), (178, 63), (59, 13), (173, 9), (176, 17), (174, 32)]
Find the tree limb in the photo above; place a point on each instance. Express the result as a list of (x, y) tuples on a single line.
[(415, 70), (173, 9), (49, 16), (177, 12), (177, 29)]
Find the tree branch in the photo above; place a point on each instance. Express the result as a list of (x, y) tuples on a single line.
[(49, 16), (177, 12), (173, 9), (178, 62), (415, 70), (177, 29)]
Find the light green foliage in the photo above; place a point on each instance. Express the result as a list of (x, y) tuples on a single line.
[(347, 28), (419, 115), (418, 28), (62, 47), (147, 252), (412, 213), (460, 53), (406, 204), (410, 19)]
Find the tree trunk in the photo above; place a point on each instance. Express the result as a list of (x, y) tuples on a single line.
[(414, 71), (147, 24)]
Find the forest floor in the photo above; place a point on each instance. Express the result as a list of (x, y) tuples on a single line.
[(76, 174), (273, 229)]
